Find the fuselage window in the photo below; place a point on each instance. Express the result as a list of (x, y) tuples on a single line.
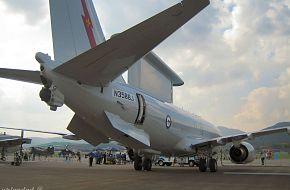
[(141, 111)]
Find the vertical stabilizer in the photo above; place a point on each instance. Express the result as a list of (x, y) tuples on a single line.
[(75, 28)]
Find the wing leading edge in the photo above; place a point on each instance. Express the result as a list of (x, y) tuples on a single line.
[(64, 135), (220, 141), (107, 61), (13, 141), (21, 75)]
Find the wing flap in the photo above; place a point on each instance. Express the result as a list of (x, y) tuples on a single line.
[(137, 136), (104, 63), (21, 75)]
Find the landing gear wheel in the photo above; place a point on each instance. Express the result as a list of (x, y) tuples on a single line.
[(147, 164), (202, 165), (213, 165), (138, 163)]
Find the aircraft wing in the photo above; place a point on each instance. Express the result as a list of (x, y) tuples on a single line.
[(107, 61), (9, 141), (220, 141), (21, 75), (65, 136)]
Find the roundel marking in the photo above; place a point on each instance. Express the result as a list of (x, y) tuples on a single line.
[(168, 122)]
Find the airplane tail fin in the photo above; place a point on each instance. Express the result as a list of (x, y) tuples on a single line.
[(75, 28)]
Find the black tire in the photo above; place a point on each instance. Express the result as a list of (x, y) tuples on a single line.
[(191, 163), (138, 163), (213, 165), (161, 163), (202, 165), (131, 154), (168, 163), (147, 164)]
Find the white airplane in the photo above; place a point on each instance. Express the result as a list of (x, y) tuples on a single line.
[(86, 75)]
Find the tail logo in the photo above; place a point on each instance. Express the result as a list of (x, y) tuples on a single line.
[(88, 25)]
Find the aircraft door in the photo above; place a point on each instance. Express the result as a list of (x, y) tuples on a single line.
[(141, 110)]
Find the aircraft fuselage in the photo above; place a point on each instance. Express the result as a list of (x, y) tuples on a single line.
[(171, 129)]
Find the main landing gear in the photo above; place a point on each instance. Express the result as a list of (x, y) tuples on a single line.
[(210, 162), (144, 163)]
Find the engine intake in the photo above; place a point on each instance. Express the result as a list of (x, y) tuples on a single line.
[(243, 153), (45, 94), (52, 97)]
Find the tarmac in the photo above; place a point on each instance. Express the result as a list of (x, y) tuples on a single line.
[(60, 174)]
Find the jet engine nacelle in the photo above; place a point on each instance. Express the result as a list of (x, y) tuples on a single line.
[(243, 153), (52, 97)]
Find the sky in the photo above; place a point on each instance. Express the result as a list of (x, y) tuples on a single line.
[(233, 57)]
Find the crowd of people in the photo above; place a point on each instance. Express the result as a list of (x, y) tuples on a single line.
[(106, 158)]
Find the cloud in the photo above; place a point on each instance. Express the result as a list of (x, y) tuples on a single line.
[(233, 56), (265, 106), (27, 111), (118, 16), (241, 57), (34, 11)]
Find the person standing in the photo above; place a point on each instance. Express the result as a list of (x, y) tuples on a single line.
[(263, 158), (79, 156), (105, 158), (91, 158)]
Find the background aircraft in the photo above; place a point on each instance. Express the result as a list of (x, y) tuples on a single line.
[(38, 151), (86, 76), (15, 143), (9, 143), (67, 152)]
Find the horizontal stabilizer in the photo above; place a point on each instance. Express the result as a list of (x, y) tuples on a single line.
[(107, 61), (21, 75), (138, 136)]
